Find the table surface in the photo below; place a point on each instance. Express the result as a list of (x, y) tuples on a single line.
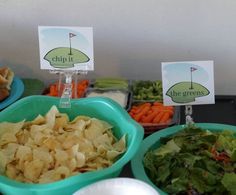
[(223, 111)]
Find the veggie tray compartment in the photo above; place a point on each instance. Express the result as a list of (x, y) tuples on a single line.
[(79, 88), (199, 159), (121, 96), (147, 90), (110, 83), (154, 115)]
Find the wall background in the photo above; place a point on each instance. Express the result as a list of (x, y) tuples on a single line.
[(131, 38)]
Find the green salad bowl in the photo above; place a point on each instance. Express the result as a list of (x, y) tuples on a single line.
[(153, 142)]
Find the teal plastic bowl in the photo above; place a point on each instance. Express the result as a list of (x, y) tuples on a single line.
[(153, 141), (102, 108)]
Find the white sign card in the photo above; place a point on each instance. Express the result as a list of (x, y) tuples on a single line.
[(66, 48), (188, 83)]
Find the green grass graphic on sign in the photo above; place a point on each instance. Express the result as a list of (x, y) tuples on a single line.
[(186, 92), (65, 57)]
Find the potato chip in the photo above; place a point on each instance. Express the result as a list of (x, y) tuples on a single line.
[(47, 176), (48, 131), (11, 148), (40, 137), (61, 121), (81, 117), (101, 150), (7, 138), (70, 141), (103, 140), (24, 153), (10, 151), (73, 150), (62, 172), (54, 175), (3, 162), (30, 142), (112, 154), (106, 125), (51, 143), (80, 158), (78, 125), (37, 121), (50, 148), (72, 164), (120, 145), (51, 117), (61, 156), (7, 127), (23, 136), (11, 171), (20, 177), (34, 129), (33, 169), (85, 145), (43, 155), (94, 130)]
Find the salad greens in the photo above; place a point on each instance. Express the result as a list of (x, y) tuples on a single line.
[(194, 161)]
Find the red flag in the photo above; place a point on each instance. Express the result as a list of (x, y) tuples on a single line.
[(72, 35), (192, 69)]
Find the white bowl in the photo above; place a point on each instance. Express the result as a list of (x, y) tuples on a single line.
[(118, 186)]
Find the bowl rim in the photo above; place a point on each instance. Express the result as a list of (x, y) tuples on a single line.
[(138, 134), (136, 162)]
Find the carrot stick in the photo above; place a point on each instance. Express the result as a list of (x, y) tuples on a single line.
[(157, 107), (171, 112), (149, 118), (139, 115), (141, 106), (165, 117), (53, 90), (134, 107), (158, 104), (158, 117)]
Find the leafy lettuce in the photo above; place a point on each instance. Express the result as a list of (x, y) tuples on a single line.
[(194, 161)]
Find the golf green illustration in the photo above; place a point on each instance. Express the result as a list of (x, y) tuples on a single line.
[(66, 48), (188, 82)]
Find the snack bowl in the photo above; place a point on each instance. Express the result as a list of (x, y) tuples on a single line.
[(101, 108), (117, 186), (153, 142)]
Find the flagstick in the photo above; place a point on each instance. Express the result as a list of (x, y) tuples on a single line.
[(70, 47), (191, 80)]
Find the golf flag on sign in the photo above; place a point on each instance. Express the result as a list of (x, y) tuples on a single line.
[(192, 69), (72, 35)]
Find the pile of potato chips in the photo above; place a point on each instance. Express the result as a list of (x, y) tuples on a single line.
[(52, 147)]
